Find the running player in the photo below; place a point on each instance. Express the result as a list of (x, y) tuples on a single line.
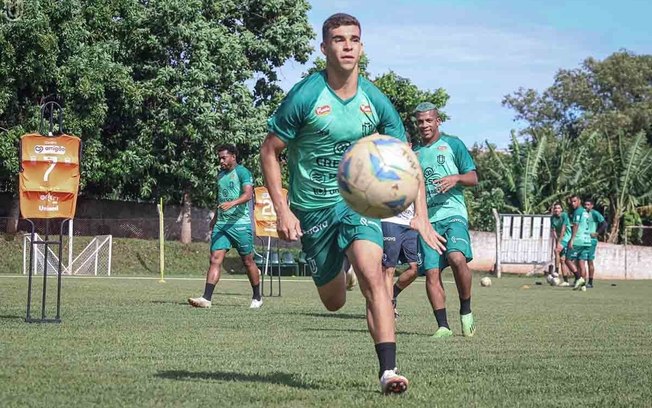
[(400, 243), (231, 226), (561, 228), (317, 121), (579, 244), (597, 225), (447, 169)]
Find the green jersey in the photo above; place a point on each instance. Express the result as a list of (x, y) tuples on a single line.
[(318, 126), (557, 224), (230, 186), (445, 157), (583, 234), (595, 220)]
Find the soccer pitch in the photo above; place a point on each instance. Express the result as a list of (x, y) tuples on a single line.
[(135, 342)]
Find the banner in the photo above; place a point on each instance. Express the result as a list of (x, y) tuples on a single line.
[(264, 214), (48, 181)]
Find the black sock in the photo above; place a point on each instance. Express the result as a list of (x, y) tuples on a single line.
[(256, 290), (590, 281), (442, 319), (465, 306), (208, 291), (386, 357), (565, 278), (397, 291), (577, 275)]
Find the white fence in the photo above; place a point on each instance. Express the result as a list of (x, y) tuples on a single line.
[(523, 239)]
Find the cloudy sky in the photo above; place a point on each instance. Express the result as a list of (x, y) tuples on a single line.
[(480, 51)]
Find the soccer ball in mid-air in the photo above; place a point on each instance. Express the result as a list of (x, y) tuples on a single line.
[(486, 281), (379, 176)]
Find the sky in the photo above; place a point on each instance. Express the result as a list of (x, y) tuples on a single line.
[(480, 51)]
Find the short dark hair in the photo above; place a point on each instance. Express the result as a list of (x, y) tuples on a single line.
[(338, 20), (229, 148), (575, 196), (589, 200), (557, 203)]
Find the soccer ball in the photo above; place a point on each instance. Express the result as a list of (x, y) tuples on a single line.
[(379, 176), (486, 281), (553, 279)]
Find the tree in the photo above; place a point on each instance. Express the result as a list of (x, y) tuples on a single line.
[(151, 87)]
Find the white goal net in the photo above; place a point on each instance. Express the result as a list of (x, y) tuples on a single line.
[(95, 259)]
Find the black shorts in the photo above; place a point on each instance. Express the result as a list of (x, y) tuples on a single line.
[(399, 243)]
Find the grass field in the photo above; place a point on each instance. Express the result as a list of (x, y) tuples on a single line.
[(134, 342)]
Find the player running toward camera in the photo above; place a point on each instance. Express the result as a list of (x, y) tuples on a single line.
[(399, 242), (561, 229), (579, 244), (317, 121), (597, 225), (447, 168), (231, 226)]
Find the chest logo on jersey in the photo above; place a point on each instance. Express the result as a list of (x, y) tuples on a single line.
[(367, 128), (441, 159), (323, 110), (365, 108), (442, 148)]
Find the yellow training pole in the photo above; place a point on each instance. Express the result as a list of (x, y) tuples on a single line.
[(161, 242)]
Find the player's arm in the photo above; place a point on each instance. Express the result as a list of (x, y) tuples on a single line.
[(287, 223), (561, 234), (422, 225), (574, 229), (468, 179), (244, 197)]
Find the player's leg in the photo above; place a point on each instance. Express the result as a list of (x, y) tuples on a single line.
[(431, 266), (243, 240), (349, 275), (581, 267), (409, 252), (212, 277), (362, 240), (590, 259), (391, 251), (458, 255)]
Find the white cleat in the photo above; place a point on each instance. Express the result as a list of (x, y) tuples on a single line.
[(256, 304), (393, 383), (199, 302), (351, 279)]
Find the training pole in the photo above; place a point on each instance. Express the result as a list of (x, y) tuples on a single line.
[(161, 242)]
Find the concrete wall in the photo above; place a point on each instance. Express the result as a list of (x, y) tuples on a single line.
[(609, 260)]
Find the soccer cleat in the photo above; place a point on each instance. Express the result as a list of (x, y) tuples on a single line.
[(256, 303), (578, 284), (393, 383), (589, 286), (442, 332), (468, 325), (199, 302), (564, 284), (351, 279)]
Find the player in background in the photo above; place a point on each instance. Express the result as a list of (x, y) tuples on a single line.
[(231, 226), (561, 230), (447, 169), (399, 242), (579, 244), (597, 225), (317, 121)]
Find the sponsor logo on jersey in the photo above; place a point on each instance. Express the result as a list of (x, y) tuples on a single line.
[(365, 108), (367, 128), (341, 147), (41, 149), (323, 110), (442, 148)]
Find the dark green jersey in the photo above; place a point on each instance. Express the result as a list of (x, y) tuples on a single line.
[(445, 157), (230, 186), (595, 220), (583, 234), (318, 127), (557, 224)]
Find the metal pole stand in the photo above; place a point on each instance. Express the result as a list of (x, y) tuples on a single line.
[(46, 242)]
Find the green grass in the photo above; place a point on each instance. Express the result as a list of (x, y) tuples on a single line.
[(134, 342)]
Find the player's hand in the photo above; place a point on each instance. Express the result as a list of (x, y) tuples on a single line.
[(288, 226), (559, 248), (444, 184), (226, 206), (594, 235), (432, 238), (570, 244)]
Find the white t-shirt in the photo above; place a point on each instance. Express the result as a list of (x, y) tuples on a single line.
[(403, 218)]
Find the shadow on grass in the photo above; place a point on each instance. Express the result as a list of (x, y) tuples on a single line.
[(335, 315), (280, 378), (142, 263), (403, 333), (9, 317)]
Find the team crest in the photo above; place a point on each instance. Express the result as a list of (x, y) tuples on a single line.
[(323, 110), (441, 159)]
